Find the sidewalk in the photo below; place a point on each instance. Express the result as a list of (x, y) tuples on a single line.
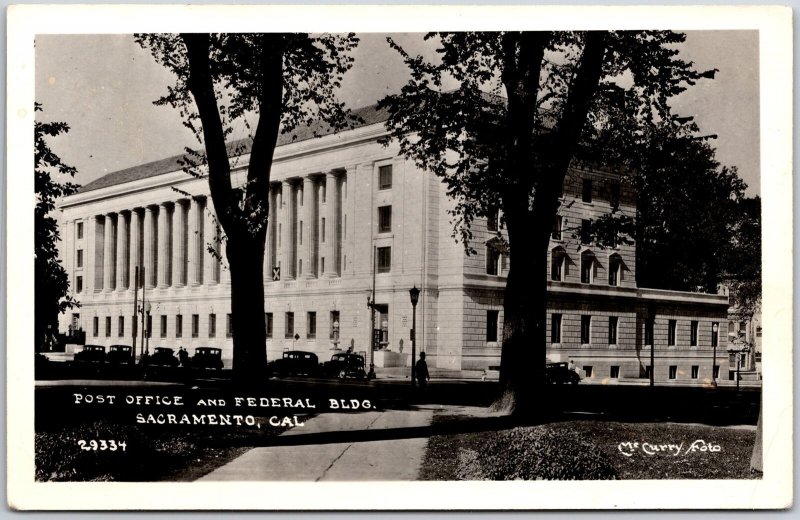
[(393, 459)]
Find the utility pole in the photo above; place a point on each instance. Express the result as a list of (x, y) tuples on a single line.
[(135, 313)]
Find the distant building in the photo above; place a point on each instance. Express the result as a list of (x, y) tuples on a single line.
[(346, 210)]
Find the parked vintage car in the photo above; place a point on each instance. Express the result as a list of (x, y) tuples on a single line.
[(294, 362), (207, 357), (119, 354), (345, 364), (559, 373), (91, 354), (163, 356)]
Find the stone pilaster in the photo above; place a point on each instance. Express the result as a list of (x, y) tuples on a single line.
[(163, 256), (109, 250), (179, 245), (149, 246)]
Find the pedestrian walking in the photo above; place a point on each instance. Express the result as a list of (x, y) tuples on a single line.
[(422, 371), (183, 356)]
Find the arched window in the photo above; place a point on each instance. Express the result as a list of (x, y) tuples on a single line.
[(615, 267), (588, 266), (558, 264)]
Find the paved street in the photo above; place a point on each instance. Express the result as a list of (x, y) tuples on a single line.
[(394, 459)]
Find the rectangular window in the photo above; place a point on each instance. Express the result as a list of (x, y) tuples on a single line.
[(555, 328), (672, 328), (195, 325), (300, 231), (491, 220), (300, 267), (614, 268), (289, 329), (78, 284), (647, 371), (612, 329), (586, 329), (121, 326), (228, 325), (715, 334), (163, 326), (673, 371), (693, 335), (322, 265), (323, 192), (716, 371), (179, 325), (385, 177), (586, 231), (384, 259), (384, 219), (614, 372), (108, 326), (311, 325), (613, 196), (649, 325), (557, 260), (269, 323), (95, 326), (587, 269), (557, 228), (322, 230), (491, 325), (758, 331), (587, 369), (212, 325), (695, 371), (149, 332), (335, 323), (79, 258), (587, 190), (80, 230), (492, 260)]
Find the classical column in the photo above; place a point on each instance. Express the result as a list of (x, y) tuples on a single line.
[(96, 254), (122, 252), (135, 248), (149, 248), (329, 213), (287, 231), (163, 246), (211, 266), (109, 248), (179, 245), (194, 262), (309, 216)]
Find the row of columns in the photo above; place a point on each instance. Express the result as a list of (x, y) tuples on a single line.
[(168, 239), (304, 238)]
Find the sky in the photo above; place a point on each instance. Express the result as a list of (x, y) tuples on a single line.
[(104, 86)]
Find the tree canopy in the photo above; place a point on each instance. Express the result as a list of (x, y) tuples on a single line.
[(283, 82), (526, 106), (50, 279)]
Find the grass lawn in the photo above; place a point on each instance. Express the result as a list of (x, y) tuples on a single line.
[(589, 450)]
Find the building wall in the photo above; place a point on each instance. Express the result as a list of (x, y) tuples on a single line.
[(167, 222)]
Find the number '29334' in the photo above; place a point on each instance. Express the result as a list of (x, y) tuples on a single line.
[(102, 445)]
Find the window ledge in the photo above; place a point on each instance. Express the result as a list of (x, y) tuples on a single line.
[(555, 345), (586, 345)]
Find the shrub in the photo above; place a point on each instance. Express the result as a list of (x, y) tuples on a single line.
[(539, 453)]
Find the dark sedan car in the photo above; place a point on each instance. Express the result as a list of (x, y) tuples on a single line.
[(91, 354), (163, 356), (345, 365), (559, 373), (295, 362), (119, 354), (207, 357)]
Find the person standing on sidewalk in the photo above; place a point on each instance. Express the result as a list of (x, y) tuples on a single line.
[(422, 372)]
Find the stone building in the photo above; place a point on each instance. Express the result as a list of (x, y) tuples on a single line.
[(347, 213)]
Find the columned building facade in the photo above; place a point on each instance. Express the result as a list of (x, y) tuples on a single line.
[(349, 216)]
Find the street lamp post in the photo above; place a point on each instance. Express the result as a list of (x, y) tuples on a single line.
[(414, 293), (715, 333), (148, 324)]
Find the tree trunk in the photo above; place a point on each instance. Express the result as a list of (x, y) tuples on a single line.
[(246, 259), (524, 353)]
